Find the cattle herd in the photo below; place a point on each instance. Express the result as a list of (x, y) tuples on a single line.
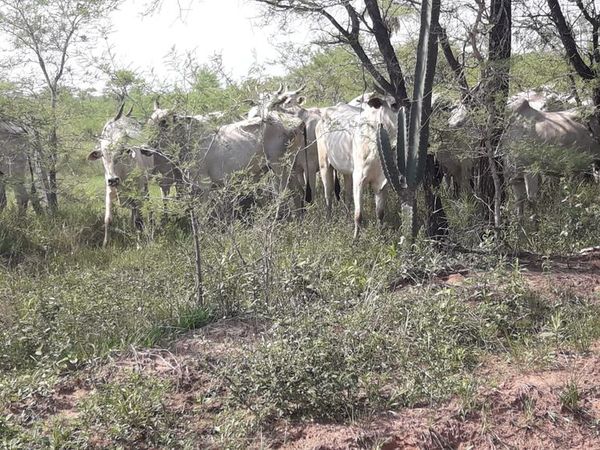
[(296, 143)]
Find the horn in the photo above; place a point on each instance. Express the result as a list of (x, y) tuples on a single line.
[(156, 103), (119, 112), (280, 90), (300, 89), (130, 111)]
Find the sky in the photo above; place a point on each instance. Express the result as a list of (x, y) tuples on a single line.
[(229, 27)]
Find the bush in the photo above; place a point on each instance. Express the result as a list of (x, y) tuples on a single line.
[(336, 360)]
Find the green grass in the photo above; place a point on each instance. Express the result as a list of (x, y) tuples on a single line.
[(339, 345)]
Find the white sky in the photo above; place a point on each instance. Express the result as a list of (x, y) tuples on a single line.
[(228, 27)]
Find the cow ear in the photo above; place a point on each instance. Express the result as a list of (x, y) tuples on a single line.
[(146, 152), (375, 102), (93, 156)]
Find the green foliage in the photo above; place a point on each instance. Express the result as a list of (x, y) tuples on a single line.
[(570, 397), (121, 82), (332, 75), (129, 411), (551, 159), (535, 69), (337, 360)]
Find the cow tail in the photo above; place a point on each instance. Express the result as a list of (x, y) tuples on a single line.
[(336, 185), (307, 190)]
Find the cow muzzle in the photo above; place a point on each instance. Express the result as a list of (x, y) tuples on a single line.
[(113, 182)]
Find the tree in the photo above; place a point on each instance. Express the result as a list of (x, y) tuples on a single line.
[(573, 30), (47, 34), (121, 82), (587, 66), (492, 23)]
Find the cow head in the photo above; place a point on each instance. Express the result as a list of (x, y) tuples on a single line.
[(161, 125), (289, 100), (458, 116), (360, 100), (282, 100), (385, 105), (116, 148)]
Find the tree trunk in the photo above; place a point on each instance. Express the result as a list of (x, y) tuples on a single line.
[(199, 283), (437, 221), (52, 157), (496, 78)]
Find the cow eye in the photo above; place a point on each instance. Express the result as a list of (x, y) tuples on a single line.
[(162, 122), (395, 106)]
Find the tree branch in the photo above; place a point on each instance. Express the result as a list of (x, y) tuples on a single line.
[(566, 36), (455, 66), (382, 36)]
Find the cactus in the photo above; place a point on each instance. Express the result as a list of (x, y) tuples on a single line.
[(406, 168)]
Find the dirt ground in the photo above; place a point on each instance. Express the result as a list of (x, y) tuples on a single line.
[(513, 408), (521, 411)]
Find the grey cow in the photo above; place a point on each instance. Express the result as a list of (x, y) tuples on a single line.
[(530, 128), (291, 102)]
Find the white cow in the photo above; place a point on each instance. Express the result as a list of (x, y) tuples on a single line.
[(367, 170), (14, 144), (290, 102), (120, 156), (208, 157), (175, 136), (347, 143), (544, 98), (334, 145), (530, 128)]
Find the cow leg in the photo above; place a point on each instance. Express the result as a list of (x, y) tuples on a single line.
[(327, 179), (311, 181), (22, 197), (532, 186), (3, 200), (520, 193), (348, 187), (165, 189), (357, 184), (297, 187), (136, 218), (380, 205), (108, 214)]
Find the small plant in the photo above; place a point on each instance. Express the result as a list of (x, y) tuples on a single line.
[(570, 397), (129, 411)]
